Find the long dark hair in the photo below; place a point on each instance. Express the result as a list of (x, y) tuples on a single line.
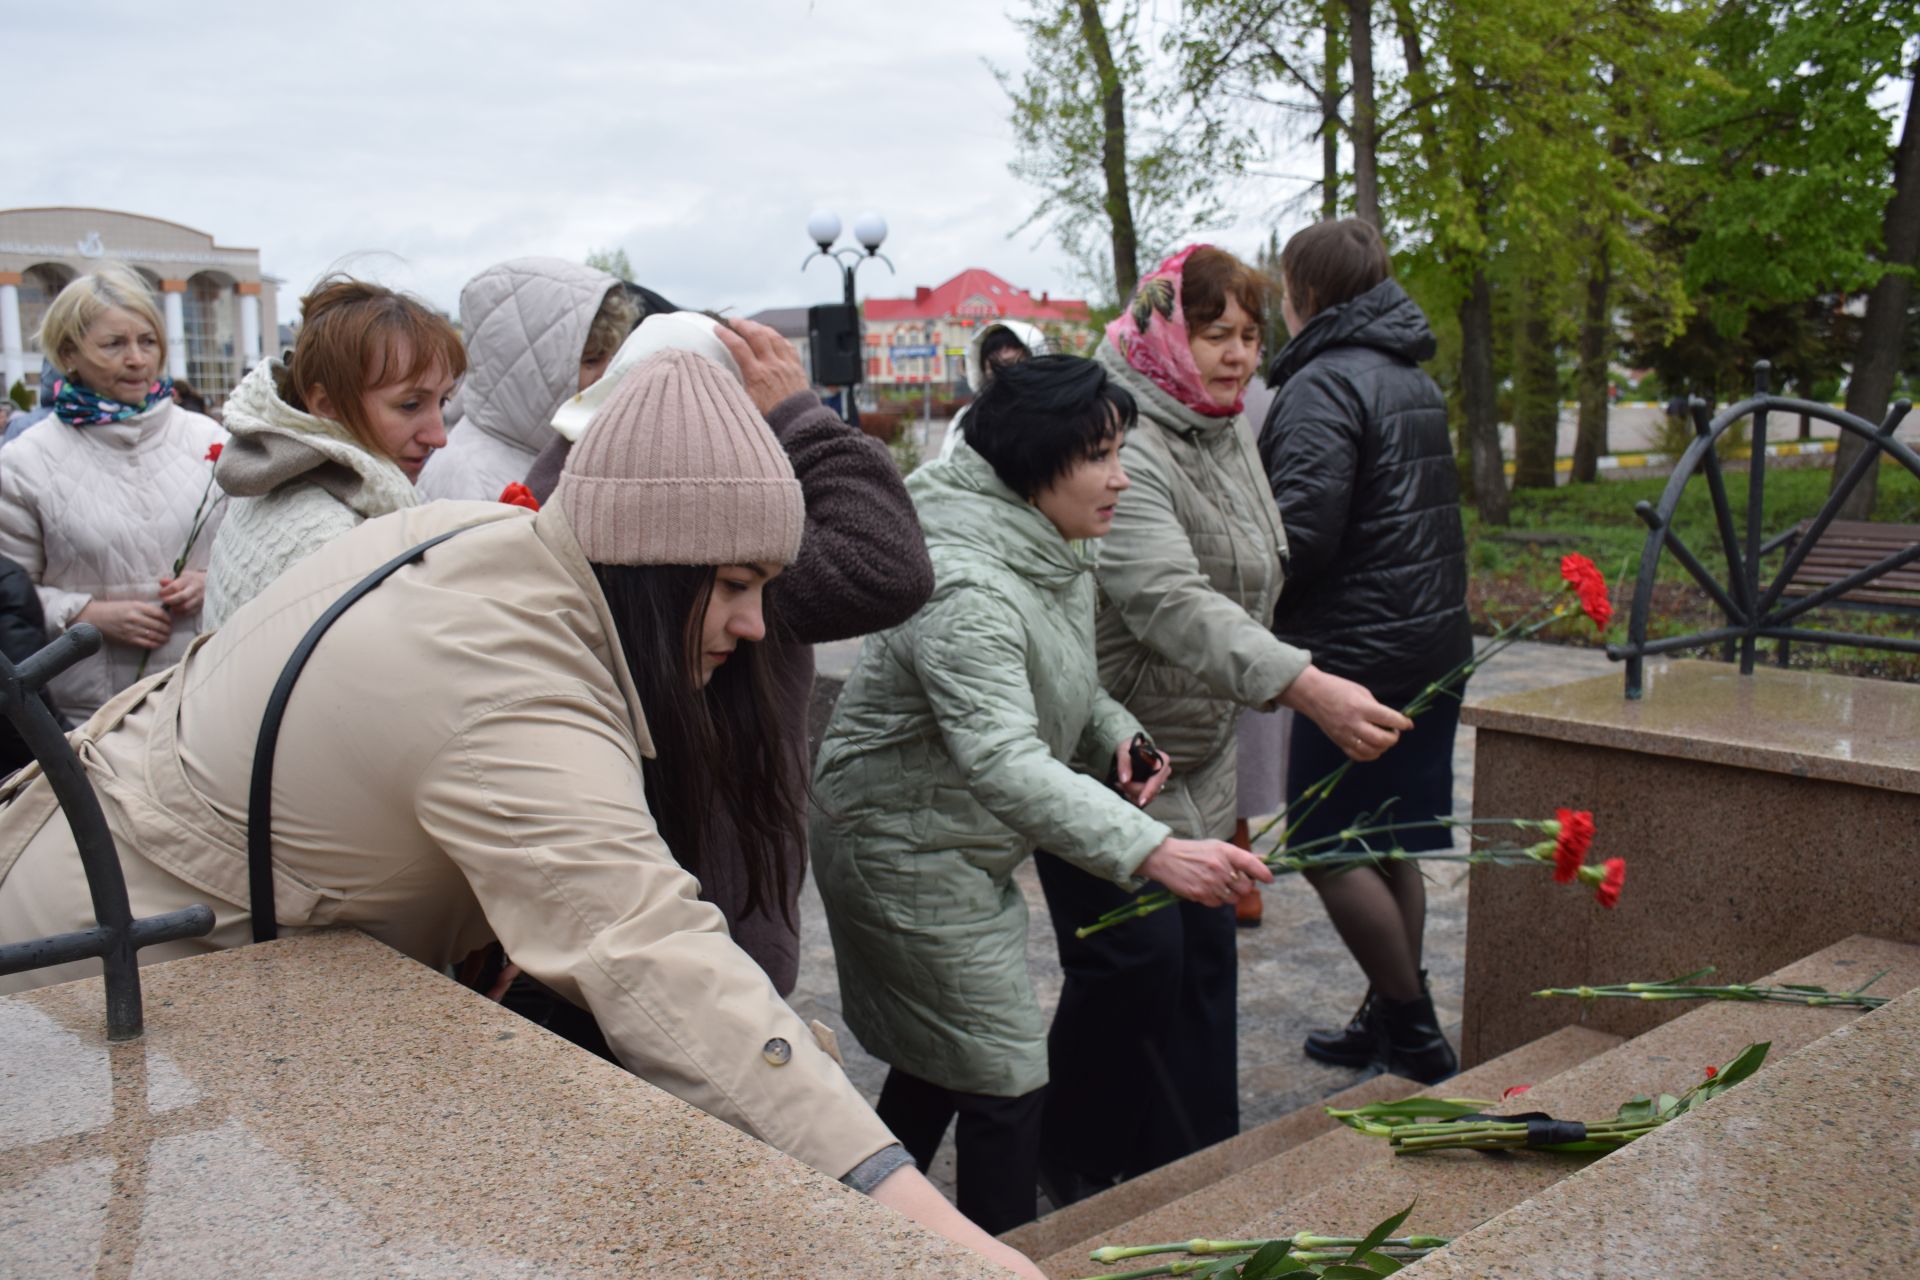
[(721, 749)]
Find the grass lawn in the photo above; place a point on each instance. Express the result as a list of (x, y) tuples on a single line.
[(1509, 569)]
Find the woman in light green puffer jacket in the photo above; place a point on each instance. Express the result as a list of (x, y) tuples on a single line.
[(949, 760)]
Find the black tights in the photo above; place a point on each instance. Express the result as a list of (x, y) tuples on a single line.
[(1381, 913)]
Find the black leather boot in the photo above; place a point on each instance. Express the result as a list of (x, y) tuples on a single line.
[(1354, 1045), (1411, 1042)]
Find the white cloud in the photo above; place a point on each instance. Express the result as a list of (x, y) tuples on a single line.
[(421, 141)]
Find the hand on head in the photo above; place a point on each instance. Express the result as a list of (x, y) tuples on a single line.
[(769, 366)]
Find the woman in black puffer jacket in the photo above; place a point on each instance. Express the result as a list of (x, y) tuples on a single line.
[(1357, 451)]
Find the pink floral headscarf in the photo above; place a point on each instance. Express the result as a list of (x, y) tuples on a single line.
[(1151, 335)]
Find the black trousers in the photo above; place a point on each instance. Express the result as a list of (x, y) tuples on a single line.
[(996, 1146), (1143, 1054)]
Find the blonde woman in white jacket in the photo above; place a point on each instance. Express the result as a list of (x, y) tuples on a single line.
[(98, 502), (338, 438)]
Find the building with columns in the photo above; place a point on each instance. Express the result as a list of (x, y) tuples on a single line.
[(217, 302)]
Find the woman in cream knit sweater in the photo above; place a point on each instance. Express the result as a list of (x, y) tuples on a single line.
[(337, 438)]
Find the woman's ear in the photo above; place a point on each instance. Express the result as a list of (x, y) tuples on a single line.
[(320, 404)]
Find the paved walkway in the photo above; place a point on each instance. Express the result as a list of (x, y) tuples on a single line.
[(1294, 972)]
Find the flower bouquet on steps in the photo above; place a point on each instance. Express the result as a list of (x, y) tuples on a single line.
[(1299, 1257), (1685, 988), (1372, 841), (1414, 1125)]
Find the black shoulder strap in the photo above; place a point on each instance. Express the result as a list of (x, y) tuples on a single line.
[(260, 795)]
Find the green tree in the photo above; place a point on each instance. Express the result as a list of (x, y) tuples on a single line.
[(613, 262), (1884, 332), (1099, 129)]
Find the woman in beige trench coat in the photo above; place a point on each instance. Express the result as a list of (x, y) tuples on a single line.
[(466, 757)]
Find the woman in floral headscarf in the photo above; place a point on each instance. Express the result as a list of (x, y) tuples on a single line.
[(1142, 1052)]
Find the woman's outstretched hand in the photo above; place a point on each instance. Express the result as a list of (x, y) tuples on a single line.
[(1209, 872), (906, 1190), (1358, 724)]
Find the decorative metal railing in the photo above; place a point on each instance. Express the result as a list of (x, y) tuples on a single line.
[(118, 937), (1753, 611)]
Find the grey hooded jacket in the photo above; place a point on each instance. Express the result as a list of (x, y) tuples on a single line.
[(526, 324)]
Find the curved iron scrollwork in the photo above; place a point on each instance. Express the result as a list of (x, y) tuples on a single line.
[(1756, 612), (118, 937)]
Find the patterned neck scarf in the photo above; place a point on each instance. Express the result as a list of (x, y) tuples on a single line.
[(1151, 335), (76, 406)]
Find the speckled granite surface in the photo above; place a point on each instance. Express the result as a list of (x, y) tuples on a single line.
[(1811, 1168), (1807, 724), (324, 1106), (1241, 1204), (1760, 817), (1456, 1191)]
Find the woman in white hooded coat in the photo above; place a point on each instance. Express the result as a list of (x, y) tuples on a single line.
[(538, 331), (997, 343), (338, 437)]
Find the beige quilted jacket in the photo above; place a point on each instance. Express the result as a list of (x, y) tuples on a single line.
[(100, 513)]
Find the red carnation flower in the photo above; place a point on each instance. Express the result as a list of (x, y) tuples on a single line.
[(213, 452), (1608, 893), (518, 495), (1571, 845), (1712, 1072), (1591, 586)]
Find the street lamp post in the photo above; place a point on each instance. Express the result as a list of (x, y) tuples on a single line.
[(870, 229)]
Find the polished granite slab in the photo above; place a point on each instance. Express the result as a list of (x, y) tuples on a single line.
[(1811, 1168), (1761, 818), (322, 1105), (1807, 724)]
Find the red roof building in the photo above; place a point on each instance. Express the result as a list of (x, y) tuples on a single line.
[(924, 338)]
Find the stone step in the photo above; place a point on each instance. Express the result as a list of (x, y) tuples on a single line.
[(1066, 1228), (1809, 1168), (1456, 1191), (1310, 1150)]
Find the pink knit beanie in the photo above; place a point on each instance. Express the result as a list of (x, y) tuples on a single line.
[(679, 468)]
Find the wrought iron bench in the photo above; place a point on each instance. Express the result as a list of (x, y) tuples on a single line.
[(1824, 563)]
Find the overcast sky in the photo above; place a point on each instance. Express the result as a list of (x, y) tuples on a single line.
[(418, 142)]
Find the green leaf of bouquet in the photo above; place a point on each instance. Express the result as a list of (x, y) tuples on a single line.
[(1268, 1261), (1744, 1064), (1666, 1104), (1641, 1108), (1382, 1264), (1801, 986), (1415, 1108), (1379, 1233), (1685, 978), (1347, 1271)]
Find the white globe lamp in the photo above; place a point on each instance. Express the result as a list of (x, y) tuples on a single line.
[(824, 226), (871, 230)]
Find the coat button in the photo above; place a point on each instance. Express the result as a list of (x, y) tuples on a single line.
[(777, 1052)]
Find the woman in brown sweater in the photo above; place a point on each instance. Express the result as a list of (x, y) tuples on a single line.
[(862, 568)]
